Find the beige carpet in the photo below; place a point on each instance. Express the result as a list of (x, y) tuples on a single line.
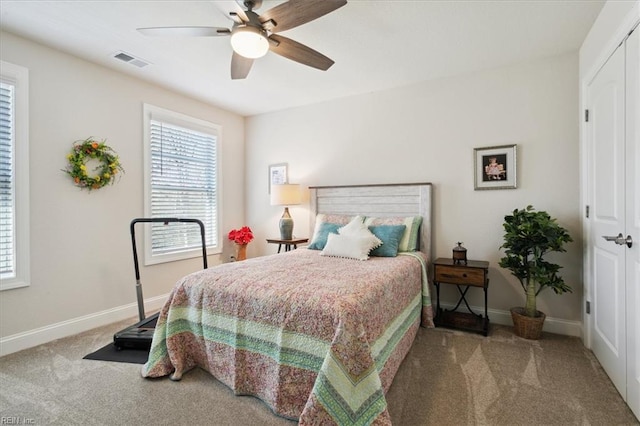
[(448, 378)]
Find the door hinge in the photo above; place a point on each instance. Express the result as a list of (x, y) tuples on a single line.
[(586, 211), (588, 307), (586, 115)]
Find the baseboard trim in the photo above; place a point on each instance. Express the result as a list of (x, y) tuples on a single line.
[(39, 336), (551, 325)]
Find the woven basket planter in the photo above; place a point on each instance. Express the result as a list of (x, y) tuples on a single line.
[(525, 326)]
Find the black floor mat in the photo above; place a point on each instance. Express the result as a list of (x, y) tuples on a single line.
[(110, 353)]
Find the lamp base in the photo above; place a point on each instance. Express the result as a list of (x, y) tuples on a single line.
[(286, 225)]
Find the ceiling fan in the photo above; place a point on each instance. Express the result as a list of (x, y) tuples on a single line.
[(252, 35)]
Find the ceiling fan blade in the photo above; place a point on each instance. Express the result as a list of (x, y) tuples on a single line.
[(185, 31), (298, 52), (297, 12), (240, 66)]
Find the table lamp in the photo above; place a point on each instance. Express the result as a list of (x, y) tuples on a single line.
[(286, 194)]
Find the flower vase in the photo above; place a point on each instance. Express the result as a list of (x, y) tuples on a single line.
[(241, 251)]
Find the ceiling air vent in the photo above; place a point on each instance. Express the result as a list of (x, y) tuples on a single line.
[(130, 59)]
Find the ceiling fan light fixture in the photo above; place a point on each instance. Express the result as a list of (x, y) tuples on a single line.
[(249, 42)]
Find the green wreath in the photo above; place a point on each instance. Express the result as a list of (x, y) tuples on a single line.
[(103, 175)]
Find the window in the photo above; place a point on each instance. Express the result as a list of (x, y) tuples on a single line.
[(181, 181), (14, 176)]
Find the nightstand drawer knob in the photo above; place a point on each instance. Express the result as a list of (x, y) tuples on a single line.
[(464, 275)]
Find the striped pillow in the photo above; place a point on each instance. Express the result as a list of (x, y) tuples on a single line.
[(410, 240)]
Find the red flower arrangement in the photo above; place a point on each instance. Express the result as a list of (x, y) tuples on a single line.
[(241, 236)]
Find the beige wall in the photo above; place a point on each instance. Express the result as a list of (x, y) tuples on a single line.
[(81, 261), (426, 133)]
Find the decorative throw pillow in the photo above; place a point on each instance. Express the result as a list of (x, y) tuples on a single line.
[(410, 238), (354, 227), (348, 246), (357, 228), (322, 232), (325, 224), (390, 236)]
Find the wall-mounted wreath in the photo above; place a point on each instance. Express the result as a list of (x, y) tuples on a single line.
[(103, 174)]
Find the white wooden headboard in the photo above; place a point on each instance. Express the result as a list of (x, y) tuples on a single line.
[(411, 199)]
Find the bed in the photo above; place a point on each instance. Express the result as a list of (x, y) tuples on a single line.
[(316, 336)]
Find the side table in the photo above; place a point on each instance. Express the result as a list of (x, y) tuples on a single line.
[(287, 243), (472, 274)]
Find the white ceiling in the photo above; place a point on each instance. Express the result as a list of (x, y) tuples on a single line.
[(376, 45)]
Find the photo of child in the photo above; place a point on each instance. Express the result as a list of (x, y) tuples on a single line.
[(494, 167)]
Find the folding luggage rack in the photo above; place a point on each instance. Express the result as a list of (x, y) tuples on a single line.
[(140, 334)]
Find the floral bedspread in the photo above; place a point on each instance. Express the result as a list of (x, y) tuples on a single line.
[(318, 339)]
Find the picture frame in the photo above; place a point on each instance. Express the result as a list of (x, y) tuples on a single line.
[(278, 174), (495, 167)]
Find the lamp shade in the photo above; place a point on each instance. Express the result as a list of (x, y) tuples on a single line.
[(249, 42), (286, 194)]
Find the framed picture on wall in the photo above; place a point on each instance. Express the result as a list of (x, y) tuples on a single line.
[(495, 167), (277, 174)]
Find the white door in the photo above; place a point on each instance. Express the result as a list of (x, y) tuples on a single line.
[(612, 134), (633, 219), (606, 132)]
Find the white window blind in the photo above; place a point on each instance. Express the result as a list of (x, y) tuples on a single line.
[(14, 176), (7, 183), (183, 170)]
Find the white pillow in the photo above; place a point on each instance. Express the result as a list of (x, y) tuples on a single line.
[(357, 228), (349, 246)]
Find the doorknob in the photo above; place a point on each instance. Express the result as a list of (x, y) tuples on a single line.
[(620, 240)]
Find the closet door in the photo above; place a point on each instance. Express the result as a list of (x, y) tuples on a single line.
[(613, 144), (606, 133), (632, 198)]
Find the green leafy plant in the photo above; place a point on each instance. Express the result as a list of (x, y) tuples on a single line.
[(529, 235)]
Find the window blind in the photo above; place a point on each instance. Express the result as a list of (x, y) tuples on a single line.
[(7, 183), (182, 185)]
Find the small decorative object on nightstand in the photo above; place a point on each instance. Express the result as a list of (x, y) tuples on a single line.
[(473, 273), (288, 243), (459, 255)]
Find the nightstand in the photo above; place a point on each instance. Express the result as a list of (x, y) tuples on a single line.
[(288, 243), (472, 274)]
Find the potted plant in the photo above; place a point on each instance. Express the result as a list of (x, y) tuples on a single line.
[(241, 237), (529, 235)]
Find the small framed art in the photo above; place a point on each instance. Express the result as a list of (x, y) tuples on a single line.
[(277, 174), (495, 167)]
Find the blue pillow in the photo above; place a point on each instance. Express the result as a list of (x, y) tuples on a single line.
[(390, 235), (321, 235), (410, 241)]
